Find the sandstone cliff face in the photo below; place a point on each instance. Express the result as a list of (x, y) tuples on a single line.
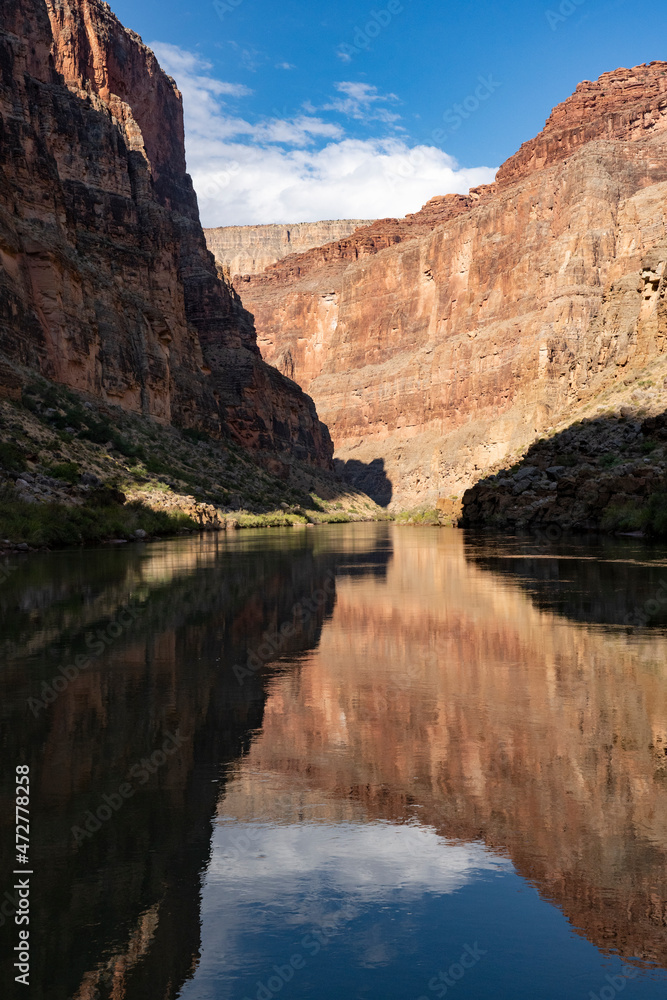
[(106, 284), (437, 345), (251, 249)]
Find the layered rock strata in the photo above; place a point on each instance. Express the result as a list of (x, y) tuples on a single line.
[(106, 284), (437, 345), (251, 249)]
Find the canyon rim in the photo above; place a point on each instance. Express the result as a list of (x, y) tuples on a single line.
[(439, 346)]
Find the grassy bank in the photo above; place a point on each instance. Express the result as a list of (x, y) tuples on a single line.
[(423, 517), (75, 470), (59, 525)]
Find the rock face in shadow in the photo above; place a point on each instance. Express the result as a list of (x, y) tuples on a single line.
[(604, 474), (446, 341), (106, 283), (370, 478)]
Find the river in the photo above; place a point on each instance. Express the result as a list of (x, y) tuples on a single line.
[(354, 762)]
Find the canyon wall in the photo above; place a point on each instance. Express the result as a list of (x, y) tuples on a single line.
[(106, 284), (251, 249), (437, 345)]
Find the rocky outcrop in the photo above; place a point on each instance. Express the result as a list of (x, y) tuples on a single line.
[(627, 105), (251, 249), (609, 474), (106, 283), (438, 345)]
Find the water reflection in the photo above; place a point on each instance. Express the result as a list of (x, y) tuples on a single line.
[(595, 579), (440, 744), (118, 913)]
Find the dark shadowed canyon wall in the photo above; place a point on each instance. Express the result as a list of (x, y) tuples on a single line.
[(106, 284)]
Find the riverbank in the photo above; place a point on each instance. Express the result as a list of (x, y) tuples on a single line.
[(27, 527), (607, 474), (74, 470)]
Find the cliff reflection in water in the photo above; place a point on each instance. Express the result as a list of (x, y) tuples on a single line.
[(445, 695), (118, 914), (435, 686)]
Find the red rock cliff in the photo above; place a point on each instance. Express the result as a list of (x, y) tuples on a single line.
[(437, 345), (105, 282)]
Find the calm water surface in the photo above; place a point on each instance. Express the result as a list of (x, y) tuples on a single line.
[(360, 761)]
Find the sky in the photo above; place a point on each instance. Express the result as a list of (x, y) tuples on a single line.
[(300, 111)]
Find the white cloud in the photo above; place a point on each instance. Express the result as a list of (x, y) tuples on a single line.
[(364, 860), (361, 102), (303, 168), (267, 879), (186, 65), (239, 184), (285, 65)]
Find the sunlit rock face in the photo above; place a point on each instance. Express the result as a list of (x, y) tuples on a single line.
[(106, 283), (442, 343), (440, 695), (251, 249)]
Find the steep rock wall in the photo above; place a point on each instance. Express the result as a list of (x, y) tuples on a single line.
[(251, 249), (106, 284), (479, 326)]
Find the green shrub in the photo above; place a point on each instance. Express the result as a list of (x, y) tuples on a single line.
[(30, 402), (629, 516), (193, 434), (274, 520), (68, 472), (657, 515), (419, 516), (650, 517), (97, 431), (127, 448), (156, 465), (58, 525), (12, 457)]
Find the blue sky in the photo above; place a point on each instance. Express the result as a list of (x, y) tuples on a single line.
[(301, 111)]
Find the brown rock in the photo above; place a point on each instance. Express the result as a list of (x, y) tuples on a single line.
[(106, 283), (439, 344)]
